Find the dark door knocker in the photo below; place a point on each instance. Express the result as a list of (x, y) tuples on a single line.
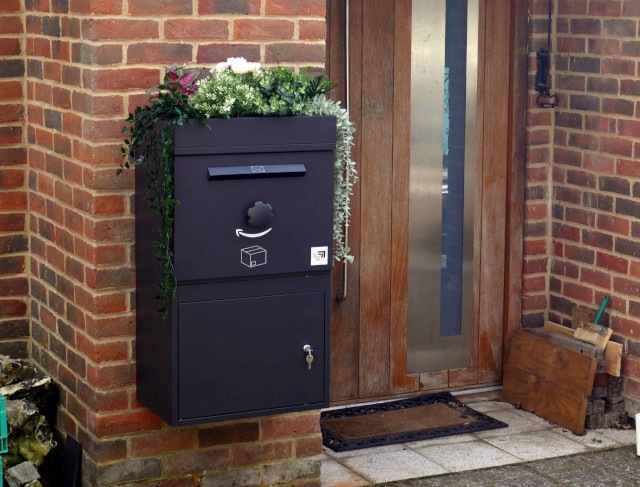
[(543, 82)]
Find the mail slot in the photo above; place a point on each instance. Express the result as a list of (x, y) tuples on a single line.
[(248, 327)]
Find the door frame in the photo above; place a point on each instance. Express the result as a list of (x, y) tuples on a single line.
[(510, 52)]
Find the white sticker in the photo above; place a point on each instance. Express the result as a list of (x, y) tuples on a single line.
[(319, 255)]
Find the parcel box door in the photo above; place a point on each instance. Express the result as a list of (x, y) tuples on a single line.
[(290, 196), (246, 354)]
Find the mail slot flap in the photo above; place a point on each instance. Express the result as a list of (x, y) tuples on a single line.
[(260, 171), (248, 135)]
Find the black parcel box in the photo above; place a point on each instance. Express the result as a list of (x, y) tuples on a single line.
[(248, 327)]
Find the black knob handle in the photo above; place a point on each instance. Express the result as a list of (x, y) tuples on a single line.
[(260, 214)]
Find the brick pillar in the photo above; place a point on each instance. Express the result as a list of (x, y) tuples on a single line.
[(595, 195), (14, 285), (88, 64)]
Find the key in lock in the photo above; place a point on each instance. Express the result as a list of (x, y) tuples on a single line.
[(309, 358)]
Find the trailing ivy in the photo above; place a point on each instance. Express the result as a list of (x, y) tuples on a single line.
[(150, 144), (345, 174)]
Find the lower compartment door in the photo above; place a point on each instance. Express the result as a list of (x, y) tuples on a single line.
[(246, 354)]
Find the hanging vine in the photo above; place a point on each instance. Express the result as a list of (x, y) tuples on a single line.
[(150, 144), (345, 174)]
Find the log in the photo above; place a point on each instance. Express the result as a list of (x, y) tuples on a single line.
[(613, 358)]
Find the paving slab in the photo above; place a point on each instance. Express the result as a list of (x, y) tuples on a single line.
[(537, 445), (334, 473), (624, 437), (488, 406), (595, 439), (561, 464), (476, 397), (517, 424), (470, 455), (364, 451), (445, 440), (394, 465), (605, 468)]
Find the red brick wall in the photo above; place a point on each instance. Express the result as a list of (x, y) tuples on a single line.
[(594, 214), (14, 245), (536, 265), (88, 64)]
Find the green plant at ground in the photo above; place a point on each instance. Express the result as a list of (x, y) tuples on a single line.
[(233, 89)]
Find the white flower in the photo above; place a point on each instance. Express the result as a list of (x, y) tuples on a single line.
[(240, 65), (221, 66)]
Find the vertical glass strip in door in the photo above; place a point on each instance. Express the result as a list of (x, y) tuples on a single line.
[(444, 53)]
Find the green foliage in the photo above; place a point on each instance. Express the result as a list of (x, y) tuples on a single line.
[(225, 94), (181, 78), (278, 92), (150, 144), (318, 85), (283, 92), (345, 174)]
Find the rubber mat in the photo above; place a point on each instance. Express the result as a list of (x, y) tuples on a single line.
[(401, 421)]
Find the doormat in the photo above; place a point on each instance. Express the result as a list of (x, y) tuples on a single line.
[(401, 421)]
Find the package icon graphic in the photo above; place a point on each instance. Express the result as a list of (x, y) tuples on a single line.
[(253, 256)]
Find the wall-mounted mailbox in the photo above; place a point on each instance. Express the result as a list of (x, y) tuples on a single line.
[(248, 329)]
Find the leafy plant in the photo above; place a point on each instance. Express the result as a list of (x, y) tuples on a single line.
[(318, 85), (235, 88), (283, 92), (150, 144), (182, 79), (224, 94)]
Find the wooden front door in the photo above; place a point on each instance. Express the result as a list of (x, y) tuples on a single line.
[(369, 327)]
